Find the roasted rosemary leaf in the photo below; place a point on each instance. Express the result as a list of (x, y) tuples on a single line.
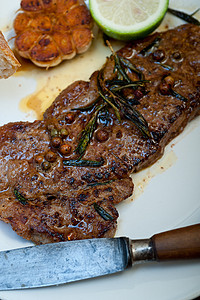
[(110, 102), (184, 16), (127, 64), (104, 214), (132, 114), (136, 117), (83, 163), (149, 48), (99, 183), (20, 197), (118, 85), (105, 98), (110, 95), (178, 96), (88, 131), (118, 67), (166, 67)]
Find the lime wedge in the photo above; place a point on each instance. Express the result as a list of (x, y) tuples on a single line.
[(128, 19)]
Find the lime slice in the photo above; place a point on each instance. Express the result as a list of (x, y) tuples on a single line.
[(128, 19)]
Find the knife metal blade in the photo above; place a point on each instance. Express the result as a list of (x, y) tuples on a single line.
[(59, 263), (63, 262)]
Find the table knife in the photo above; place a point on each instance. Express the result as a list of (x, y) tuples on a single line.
[(64, 262)]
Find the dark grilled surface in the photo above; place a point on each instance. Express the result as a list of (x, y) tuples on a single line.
[(165, 114), (58, 199)]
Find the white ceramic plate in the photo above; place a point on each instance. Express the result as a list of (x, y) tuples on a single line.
[(167, 194)]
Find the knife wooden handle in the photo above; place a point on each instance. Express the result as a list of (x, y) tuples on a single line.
[(182, 243)]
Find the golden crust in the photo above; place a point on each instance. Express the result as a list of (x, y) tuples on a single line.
[(8, 62), (50, 31)]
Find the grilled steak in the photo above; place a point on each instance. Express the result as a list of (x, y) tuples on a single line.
[(46, 202), (61, 177)]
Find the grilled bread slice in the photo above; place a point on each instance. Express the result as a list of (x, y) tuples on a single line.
[(8, 62)]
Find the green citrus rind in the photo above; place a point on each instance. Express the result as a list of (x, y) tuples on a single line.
[(134, 32)]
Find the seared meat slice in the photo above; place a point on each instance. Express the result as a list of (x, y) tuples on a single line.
[(169, 62), (46, 202), (62, 176), (32, 165), (59, 219)]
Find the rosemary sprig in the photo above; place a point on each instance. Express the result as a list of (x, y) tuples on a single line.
[(99, 183), (110, 94), (105, 97), (104, 214), (134, 116), (122, 64), (120, 84), (83, 163), (167, 67), (88, 131), (127, 64), (118, 65), (120, 102), (149, 48), (178, 96), (184, 16), (110, 102), (130, 113), (20, 197)]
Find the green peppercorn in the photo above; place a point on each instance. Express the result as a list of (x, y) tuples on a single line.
[(64, 132), (54, 132)]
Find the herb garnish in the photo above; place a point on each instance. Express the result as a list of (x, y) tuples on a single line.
[(100, 183), (20, 197), (83, 163), (177, 95), (184, 16), (123, 65), (104, 214), (111, 90), (149, 48), (88, 131), (167, 67), (111, 95)]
